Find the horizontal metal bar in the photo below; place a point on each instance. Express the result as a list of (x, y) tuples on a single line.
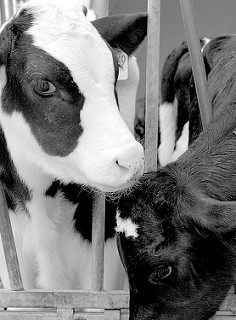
[(116, 299), (27, 316), (111, 300)]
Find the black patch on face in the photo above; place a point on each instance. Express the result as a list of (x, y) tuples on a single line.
[(54, 119), (83, 214), (17, 194)]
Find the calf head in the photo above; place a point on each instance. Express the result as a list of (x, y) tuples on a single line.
[(59, 106), (178, 248)]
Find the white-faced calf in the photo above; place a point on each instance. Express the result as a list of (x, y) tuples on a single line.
[(60, 124), (177, 231)]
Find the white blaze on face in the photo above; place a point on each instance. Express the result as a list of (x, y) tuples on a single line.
[(126, 226)]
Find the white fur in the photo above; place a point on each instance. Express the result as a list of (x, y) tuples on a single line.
[(206, 41), (182, 143), (167, 116), (52, 255), (126, 226)]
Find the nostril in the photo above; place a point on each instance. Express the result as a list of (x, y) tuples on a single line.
[(129, 159), (123, 164)]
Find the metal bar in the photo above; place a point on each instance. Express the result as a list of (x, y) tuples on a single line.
[(28, 316), (152, 85), (197, 63), (110, 300), (98, 232), (101, 9), (7, 9), (65, 314), (9, 245)]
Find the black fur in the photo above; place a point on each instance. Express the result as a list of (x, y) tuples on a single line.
[(183, 261), (15, 190), (116, 30), (83, 198)]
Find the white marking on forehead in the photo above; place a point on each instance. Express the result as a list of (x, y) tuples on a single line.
[(61, 29), (126, 226), (57, 16)]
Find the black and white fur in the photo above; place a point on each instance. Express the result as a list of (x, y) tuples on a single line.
[(174, 110), (61, 128)]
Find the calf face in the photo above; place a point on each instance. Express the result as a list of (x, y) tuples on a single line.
[(59, 106), (178, 249)]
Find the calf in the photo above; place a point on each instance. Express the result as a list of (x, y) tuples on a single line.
[(177, 230), (175, 107), (60, 131)]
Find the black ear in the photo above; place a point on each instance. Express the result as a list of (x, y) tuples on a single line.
[(6, 43), (215, 215), (124, 31), (214, 47)]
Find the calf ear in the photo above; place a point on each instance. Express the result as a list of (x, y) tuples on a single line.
[(124, 31), (217, 216), (214, 47), (7, 41)]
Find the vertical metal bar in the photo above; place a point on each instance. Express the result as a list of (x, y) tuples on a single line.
[(98, 221), (98, 232), (152, 85), (101, 8), (9, 245), (7, 9), (15, 5), (196, 61)]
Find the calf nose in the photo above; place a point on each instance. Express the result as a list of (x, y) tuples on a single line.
[(130, 161)]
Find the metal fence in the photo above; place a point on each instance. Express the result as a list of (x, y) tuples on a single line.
[(99, 304)]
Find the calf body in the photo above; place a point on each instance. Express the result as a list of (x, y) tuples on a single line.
[(60, 126), (175, 108), (177, 230)]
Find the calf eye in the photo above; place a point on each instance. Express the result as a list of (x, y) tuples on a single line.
[(44, 87), (160, 273)]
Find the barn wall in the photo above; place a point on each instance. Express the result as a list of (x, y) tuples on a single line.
[(213, 17)]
